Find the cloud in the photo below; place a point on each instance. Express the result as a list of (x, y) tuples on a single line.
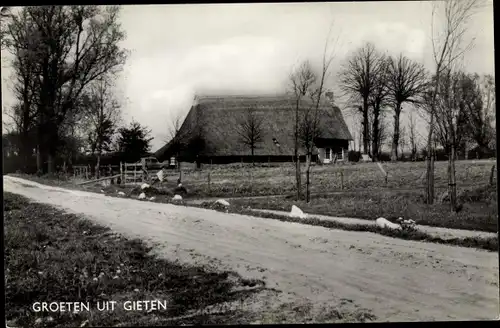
[(397, 38)]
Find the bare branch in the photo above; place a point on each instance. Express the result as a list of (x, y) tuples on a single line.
[(250, 129)]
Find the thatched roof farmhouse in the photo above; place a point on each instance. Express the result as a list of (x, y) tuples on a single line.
[(210, 132)]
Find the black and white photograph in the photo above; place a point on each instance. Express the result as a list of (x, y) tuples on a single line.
[(249, 163)]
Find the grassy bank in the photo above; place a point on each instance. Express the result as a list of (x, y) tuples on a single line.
[(53, 256), (479, 211)]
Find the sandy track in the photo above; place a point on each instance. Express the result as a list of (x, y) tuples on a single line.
[(398, 280)]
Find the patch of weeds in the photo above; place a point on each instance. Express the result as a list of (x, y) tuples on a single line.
[(487, 194)]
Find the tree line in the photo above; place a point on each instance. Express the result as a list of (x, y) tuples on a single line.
[(458, 106), (65, 60), (382, 85)]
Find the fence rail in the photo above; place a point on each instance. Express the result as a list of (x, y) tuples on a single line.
[(129, 173)]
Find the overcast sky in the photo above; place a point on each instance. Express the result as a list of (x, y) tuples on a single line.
[(178, 50)]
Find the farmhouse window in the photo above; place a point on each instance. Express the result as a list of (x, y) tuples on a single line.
[(328, 152), (340, 154)]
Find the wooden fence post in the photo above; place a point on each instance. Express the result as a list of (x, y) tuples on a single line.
[(251, 179), (135, 174), (208, 179), (342, 180), (144, 174), (110, 173), (121, 174)]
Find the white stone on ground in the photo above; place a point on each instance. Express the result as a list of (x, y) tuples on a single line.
[(152, 198), (384, 223), (177, 197), (222, 202), (142, 196), (121, 193), (297, 213), (144, 186)]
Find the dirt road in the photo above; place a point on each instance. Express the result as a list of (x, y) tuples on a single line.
[(398, 280)]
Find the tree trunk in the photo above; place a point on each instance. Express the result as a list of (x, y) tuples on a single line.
[(98, 164), (395, 139), (360, 141), (452, 186), (430, 165), (40, 143), (296, 154), (375, 136), (180, 170), (39, 160), (366, 138), (308, 181), (298, 177)]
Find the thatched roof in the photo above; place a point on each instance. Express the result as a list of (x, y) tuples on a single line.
[(218, 119)]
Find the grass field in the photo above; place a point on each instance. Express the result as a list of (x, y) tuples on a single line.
[(235, 180), (53, 256)]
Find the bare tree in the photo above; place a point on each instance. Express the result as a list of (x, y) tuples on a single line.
[(101, 117), (447, 47), (357, 79), (310, 130), (406, 82), (250, 130), (301, 81), (378, 99), (16, 37), (451, 122)]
